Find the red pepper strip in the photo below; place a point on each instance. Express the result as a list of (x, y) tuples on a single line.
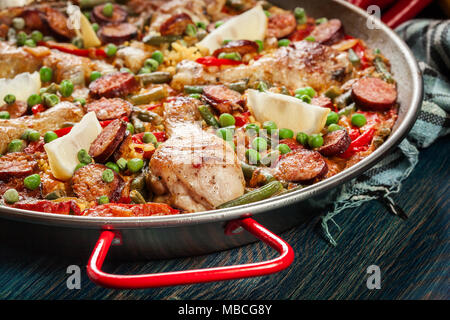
[(403, 11), (361, 143), (354, 133), (366, 3), (104, 123), (63, 207), (130, 210), (63, 131), (361, 53), (69, 48), (242, 119), (37, 108), (213, 61), (372, 119), (152, 107)]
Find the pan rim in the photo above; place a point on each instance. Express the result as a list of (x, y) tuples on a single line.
[(278, 202)]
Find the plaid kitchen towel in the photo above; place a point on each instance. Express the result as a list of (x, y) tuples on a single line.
[(430, 42)]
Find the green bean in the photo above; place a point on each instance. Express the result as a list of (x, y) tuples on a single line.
[(299, 187), (56, 195), (353, 57), (259, 194), (153, 95), (382, 68), (138, 183), (240, 86), (208, 116), (347, 110), (137, 197), (248, 169), (344, 99), (138, 124), (333, 92), (193, 89), (92, 3), (147, 116), (157, 77), (156, 40)]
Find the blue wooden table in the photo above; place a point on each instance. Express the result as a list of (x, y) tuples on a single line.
[(413, 255)]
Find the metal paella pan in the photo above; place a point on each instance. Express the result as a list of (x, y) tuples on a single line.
[(191, 233)]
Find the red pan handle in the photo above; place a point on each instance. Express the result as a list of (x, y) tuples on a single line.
[(191, 276)]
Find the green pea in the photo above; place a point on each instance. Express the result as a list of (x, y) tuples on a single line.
[(15, 145), (260, 45), (11, 196), (158, 56), (9, 99), (201, 25), (78, 166), (81, 101), (283, 42), (135, 165), (252, 128), (66, 88), (300, 15), (25, 134), (306, 91), (191, 30), (126, 70), (283, 148), (152, 64), (130, 127), (310, 39), (21, 37), (30, 43), (145, 70), (34, 99), (149, 137), (112, 166), (195, 95), (34, 135), (108, 10), (262, 86), (358, 120), (267, 13), (285, 133), (37, 36), (50, 99), (259, 144), (32, 182), (49, 136), (95, 75), (225, 133), (122, 163), (108, 175), (302, 138), (315, 141), (95, 26), (4, 115), (334, 127), (304, 98), (103, 200), (226, 120), (332, 117), (230, 56), (270, 126), (253, 156), (321, 20), (83, 156), (110, 49), (46, 74)]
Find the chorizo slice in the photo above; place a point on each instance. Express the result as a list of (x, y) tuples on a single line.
[(57, 22), (87, 183), (108, 140), (16, 110), (335, 143), (108, 109), (176, 24), (240, 46), (117, 33), (222, 98), (119, 14), (113, 85), (329, 32), (323, 102), (302, 166), (281, 25), (34, 20), (16, 164), (374, 93)]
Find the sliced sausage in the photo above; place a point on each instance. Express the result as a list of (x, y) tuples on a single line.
[(108, 140), (176, 24), (117, 33), (292, 144), (329, 32), (374, 93), (302, 166), (113, 85), (16, 110), (34, 20), (88, 185), (281, 25), (58, 23), (223, 98), (108, 109), (125, 149), (323, 102), (16, 164), (241, 46), (119, 14), (335, 143)]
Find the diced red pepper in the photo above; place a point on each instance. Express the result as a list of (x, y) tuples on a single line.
[(361, 143), (302, 33), (361, 53), (210, 61), (242, 119), (37, 108)]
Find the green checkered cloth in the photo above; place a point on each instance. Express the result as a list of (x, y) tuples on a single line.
[(430, 42)]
